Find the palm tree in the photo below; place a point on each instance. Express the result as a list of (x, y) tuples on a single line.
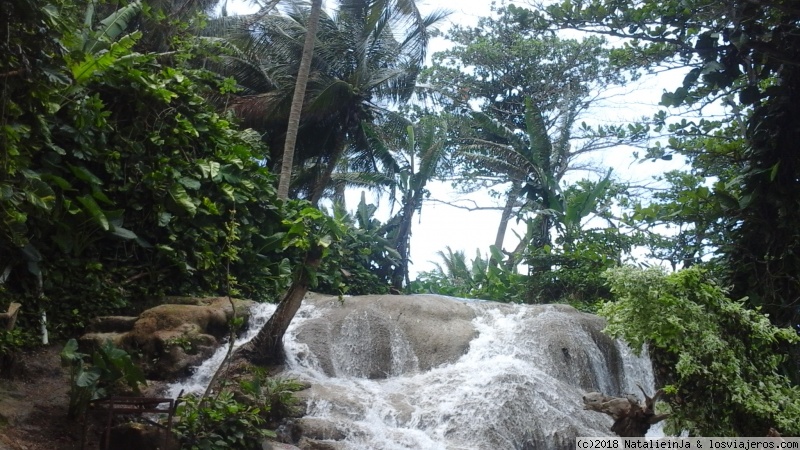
[(411, 154), (527, 160), (297, 100), (368, 56)]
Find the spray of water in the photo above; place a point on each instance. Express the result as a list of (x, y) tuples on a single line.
[(518, 386)]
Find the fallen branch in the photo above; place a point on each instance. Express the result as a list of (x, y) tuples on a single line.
[(631, 418)]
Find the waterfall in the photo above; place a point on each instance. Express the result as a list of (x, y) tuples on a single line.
[(432, 372), (259, 314), (518, 384)]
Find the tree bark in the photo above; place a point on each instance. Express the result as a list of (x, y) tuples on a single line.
[(400, 273), (298, 98), (505, 217), (267, 347)]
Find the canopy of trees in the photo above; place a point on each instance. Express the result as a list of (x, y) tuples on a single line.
[(139, 143)]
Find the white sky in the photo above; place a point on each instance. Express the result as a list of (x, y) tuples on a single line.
[(438, 225)]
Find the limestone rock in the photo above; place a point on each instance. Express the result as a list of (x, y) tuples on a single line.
[(108, 324), (320, 429), (378, 336), (173, 337)]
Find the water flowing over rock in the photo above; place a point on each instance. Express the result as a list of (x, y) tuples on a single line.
[(432, 372), (437, 373)]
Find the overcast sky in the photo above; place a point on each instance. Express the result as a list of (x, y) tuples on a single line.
[(440, 225)]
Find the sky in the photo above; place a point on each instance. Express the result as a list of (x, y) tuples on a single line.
[(438, 226)]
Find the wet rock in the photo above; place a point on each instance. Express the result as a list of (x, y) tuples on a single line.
[(173, 337), (376, 336), (314, 444), (272, 445), (320, 429)]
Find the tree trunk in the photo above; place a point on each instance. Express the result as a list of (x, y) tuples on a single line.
[(267, 347), (631, 418), (325, 177), (400, 273), (287, 161), (505, 217)]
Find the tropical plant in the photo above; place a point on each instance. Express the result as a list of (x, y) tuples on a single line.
[(417, 156), (363, 261), (478, 279), (119, 176), (274, 395), (310, 232), (522, 95), (109, 368), (219, 422), (748, 54), (367, 56), (287, 160), (719, 361)]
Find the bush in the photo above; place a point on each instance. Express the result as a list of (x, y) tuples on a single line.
[(719, 359), (110, 369), (220, 422)]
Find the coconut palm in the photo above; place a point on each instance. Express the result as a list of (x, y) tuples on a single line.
[(368, 55), (297, 100)]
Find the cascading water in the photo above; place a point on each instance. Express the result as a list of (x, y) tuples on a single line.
[(431, 372), (259, 314), (518, 384)]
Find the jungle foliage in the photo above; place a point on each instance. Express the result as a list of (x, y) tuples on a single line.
[(126, 175), (719, 361), (120, 181)]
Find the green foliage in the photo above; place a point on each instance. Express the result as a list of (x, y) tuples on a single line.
[(237, 418), (722, 360), (480, 279), (219, 422), (109, 369), (120, 181), (746, 55), (274, 395), (362, 261)]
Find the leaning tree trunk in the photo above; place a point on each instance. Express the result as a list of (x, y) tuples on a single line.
[(267, 347), (400, 273), (287, 162), (631, 418), (505, 217)]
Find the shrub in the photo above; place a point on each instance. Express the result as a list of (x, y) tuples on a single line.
[(110, 368), (720, 359)]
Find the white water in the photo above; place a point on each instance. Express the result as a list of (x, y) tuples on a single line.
[(259, 314), (519, 386)]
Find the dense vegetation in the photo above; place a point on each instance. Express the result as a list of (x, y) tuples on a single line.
[(139, 143)]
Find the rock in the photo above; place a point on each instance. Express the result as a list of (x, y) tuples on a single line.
[(90, 341), (272, 445), (320, 429), (109, 324), (314, 444), (376, 336), (173, 337)]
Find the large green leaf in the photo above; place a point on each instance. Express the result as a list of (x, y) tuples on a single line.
[(70, 353), (94, 210), (181, 197), (112, 27), (92, 63)]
